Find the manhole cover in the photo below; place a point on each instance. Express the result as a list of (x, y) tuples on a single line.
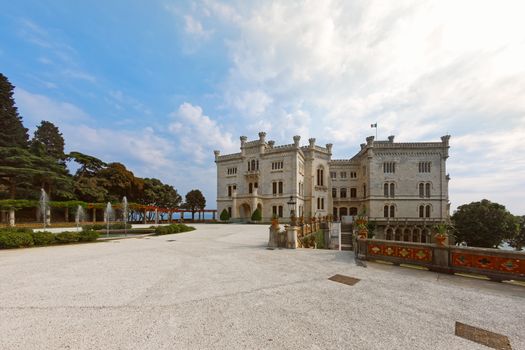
[(344, 279), (484, 337)]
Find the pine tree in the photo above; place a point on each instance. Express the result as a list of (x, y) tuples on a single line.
[(48, 135), (12, 131)]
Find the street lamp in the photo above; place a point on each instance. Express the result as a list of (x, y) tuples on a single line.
[(291, 205)]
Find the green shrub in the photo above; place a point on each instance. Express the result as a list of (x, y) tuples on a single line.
[(67, 237), (43, 238), (225, 216), (175, 228), (15, 238), (257, 216), (88, 236), (115, 226)]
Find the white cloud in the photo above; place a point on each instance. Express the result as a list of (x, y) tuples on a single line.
[(420, 69), (194, 27), (198, 135), (35, 108)]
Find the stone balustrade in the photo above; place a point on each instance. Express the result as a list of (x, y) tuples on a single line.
[(498, 265)]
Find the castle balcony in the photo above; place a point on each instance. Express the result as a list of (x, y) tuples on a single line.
[(252, 174), (406, 221)]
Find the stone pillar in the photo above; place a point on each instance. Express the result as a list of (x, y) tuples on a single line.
[(273, 239), (12, 217), (254, 200), (291, 237), (441, 259), (235, 215)]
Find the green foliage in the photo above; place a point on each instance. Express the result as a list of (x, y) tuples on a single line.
[(115, 226), (52, 141), (257, 216), (483, 224), (174, 228), (88, 236), (158, 194), (315, 239), (225, 216), (43, 238), (12, 131), (518, 240), (13, 238), (67, 237), (195, 201), (371, 227)]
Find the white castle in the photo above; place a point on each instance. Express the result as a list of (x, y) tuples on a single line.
[(403, 187)]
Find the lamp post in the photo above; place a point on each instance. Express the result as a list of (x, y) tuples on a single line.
[(291, 205)]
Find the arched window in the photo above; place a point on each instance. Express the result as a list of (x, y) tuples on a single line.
[(343, 211), (253, 164), (392, 190), (421, 211), (406, 235), (427, 189), (385, 190), (385, 211), (389, 234), (398, 235), (415, 235), (424, 235), (353, 211), (320, 177), (421, 190), (392, 211), (427, 211), (249, 166)]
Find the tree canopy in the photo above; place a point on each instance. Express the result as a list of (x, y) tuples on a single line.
[(195, 201), (12, 131), (483, 224), (52, 141)]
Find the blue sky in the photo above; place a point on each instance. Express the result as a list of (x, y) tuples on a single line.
[(158, 85)]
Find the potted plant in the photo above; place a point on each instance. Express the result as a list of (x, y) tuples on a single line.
[(361, 225), (441, 233), (275, 221)]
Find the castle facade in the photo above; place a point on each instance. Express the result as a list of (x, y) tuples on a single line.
[(402, 187)]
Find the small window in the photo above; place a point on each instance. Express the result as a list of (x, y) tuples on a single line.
[(253, 164), (392, 211), (334, 192), (274, 210), (353, 192), (280, 187), (364, 191), (343, 192), (274, 188), (427, 189), (250, 187), (229, 191), (353, 211), (230, 212), (280, 211), (385, 190), (421, 211), (353, 175), (320, 177), (424, 167), (389, 167), (427, 211), (277, 165), (343, 174), (232, 171), (421, 190), (385, 211), (392, 190), (333, 174)]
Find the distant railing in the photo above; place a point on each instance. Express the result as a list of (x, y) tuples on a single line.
[(498, 265)]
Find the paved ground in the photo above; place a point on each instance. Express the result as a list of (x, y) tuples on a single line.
[(219, 288)]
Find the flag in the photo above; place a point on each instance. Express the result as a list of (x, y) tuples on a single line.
[(373, 125)]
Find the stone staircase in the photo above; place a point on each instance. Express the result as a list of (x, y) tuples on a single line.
[(346, 237)]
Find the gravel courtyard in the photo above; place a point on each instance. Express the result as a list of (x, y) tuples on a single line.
[(219, 288)]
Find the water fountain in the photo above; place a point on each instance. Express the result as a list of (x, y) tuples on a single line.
[(80, 216), (109, 214), (125, 214), (44, 206)]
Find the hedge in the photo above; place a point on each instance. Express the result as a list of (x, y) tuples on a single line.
[(15, 239), (225, 215), (175, 228), (115, 226), (43, 238), (22, 238), (67, 237)]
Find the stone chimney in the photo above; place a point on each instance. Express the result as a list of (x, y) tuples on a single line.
[(262, 136), (329, 147), (271, 143), (370, 141), (391, 138), (217, 154), (312, 142), (296, 140)]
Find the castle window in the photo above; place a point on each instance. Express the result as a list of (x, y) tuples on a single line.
[(277, 165), (424, 167), (257, 164), (353, 175), (392, 211), (320, 203), (334, 192), (353, 192), (353, 211), (250, 187), (343, 192), (421, 211), (389, 167), (320, 177), (274, 188), (427, 211), (230, 212), (229, 191), (392, 190), (280, 211), (364, 191), (280, 187), (385, 189), (343, 174), (421, 190), (231, 171), (253, 164), (333, 174), (255, 185), (385, 211), (427, 189)]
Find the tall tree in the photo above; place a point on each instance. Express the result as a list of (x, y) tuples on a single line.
[(12, 131), (195, 201), (518, 241), (483, 224), (49, 136)]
